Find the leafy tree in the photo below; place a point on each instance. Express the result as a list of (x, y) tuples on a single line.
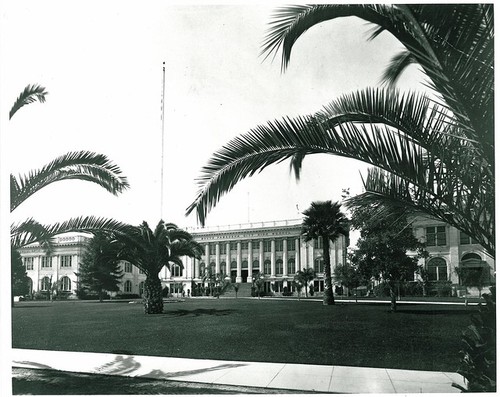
[(151, 250), (217, 282), (19, 278), (348, 275), (325, 221), (430, 153), (381, 250), (304, 277), (477, 277), (258, 282), (100, 269)]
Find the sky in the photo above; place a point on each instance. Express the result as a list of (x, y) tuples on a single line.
[(101, 63)]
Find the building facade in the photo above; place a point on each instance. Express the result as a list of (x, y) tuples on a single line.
[(273, 251)]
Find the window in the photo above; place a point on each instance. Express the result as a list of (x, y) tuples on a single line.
[(255, 264), (176, 271), (267, 267), (279, 266), (471, 255), (437, 269), (244, 265), (233, 245), (46, 261), (223, 249), (223, 269), (141, 288), (45, 285), (465, 239), (211, 249), (267, 245), (435, 236), (319, 265), (141, 271), (244, 245), (318, 243), (234, 265), (202, 269), (66, 261), (127, 266), (65, 284), (291, 266), (127, 287), (28, 263), (212, 267), (290, 245), (278, 245)]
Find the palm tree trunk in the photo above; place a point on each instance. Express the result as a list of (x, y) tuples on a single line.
[(153, 300), (328, 298)]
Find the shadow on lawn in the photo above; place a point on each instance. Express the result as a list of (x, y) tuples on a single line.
[(199, 312), (459, 312)]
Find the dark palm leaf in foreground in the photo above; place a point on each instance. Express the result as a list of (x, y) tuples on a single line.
[(432, 155), (30, 94)]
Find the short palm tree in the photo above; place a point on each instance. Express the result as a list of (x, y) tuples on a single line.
[(304, 277), (431, 154), (150, 251), (324, 221)]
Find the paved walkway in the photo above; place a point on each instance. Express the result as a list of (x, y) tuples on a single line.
[(300, 377)]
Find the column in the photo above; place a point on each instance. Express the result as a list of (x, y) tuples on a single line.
[(273, 258), (250, 260), (285, 258), (453, 240), (238, 262), (228, 259), (297, 255), (207, 256), (261, 256), (196, 268), (217, 258)]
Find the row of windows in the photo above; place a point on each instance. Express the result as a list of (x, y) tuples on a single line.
[(64, 284), (46, 262), (436, 236), (127, 268), (278, 246)]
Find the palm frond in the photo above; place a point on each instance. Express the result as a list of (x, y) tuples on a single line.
[(30, 231), (30, 94), (83, 165), (396, 67), (448, 202)]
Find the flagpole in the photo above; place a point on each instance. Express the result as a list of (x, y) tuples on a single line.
[(162, 140)]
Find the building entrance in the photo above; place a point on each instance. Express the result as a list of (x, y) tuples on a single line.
[(244, 276)]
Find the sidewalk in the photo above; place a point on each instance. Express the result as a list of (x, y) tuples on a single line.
[(300, 377)]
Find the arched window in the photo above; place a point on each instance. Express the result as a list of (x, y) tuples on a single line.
[(319, 265), (65, 284), (318, 243), (255, 264), (471, 255), (45, 285), (267, 266), (202, 269), (127, 287), (437, 269), (244, 265), (141, 288), (223, 269), (127, 266), (176, 271), (233, 265), (279, 266), (291, 266)]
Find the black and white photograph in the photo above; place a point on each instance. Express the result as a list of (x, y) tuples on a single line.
[(244, 198)]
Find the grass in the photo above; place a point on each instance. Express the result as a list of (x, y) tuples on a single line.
[(421, 337)]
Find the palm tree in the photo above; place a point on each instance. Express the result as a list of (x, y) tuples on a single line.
[(304, 277), (325, 222), (151, 250), (434, 155)]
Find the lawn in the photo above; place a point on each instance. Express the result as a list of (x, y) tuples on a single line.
[(424, 337)]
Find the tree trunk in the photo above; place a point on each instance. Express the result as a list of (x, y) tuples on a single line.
[(153, 300), (328, 298), (393, 297)]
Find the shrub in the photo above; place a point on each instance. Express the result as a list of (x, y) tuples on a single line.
[(253, 292), (311, 290), (478, 364), (40, 295), (126, 296), (382, 289), (413, 288), (164, 292), (441, 288)]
